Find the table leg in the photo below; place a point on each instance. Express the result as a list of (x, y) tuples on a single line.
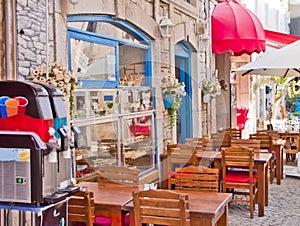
[(278, 161), (131, 221), (266, 185), (164, 171), (260, 189), (217, 165), (116, 218), (281, 158), (223, 221)]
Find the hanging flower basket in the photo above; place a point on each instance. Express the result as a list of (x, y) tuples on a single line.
[(172, 91), (210, 89), (168, 102)]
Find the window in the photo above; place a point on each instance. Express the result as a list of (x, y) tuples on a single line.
[(107, 53)]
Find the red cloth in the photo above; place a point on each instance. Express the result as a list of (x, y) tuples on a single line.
[(236, 28), (241, 117)]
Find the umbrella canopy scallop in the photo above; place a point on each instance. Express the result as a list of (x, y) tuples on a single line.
[(236, 28)]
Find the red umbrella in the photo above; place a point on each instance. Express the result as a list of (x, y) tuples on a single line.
[(236, 28)]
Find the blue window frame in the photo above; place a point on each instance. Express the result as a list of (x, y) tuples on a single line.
[(141, 43)]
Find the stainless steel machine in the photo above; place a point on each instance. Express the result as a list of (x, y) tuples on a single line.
[(35, 165)]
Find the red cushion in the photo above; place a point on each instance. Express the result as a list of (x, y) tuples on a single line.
[(172, 174), (239, 177), (106, 221)]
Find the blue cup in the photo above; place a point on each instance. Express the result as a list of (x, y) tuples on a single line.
[(3, 112)]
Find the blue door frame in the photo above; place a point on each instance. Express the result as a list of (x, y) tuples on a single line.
[(184, 124)]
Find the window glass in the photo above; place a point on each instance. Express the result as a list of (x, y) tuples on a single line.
[(93, 61)]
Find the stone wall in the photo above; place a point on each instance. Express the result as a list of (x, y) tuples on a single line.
[(2, 42), (31, 36)]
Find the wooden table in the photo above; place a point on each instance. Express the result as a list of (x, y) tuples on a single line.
[(206, 208), (292, 134), (110, 199), (261, 161)]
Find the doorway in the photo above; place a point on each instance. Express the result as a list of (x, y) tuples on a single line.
[(182, 73)]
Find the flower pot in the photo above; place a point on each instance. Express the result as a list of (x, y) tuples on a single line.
[(168, 102), (206, 98)]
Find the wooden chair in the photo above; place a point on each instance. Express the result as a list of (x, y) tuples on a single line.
[(234, 133), (160, 207), (266, 144), (198, 141), (198, 178), (247, 143), (118, 174), (221, 139), (81, 208), (180, 155), (201, 143), (241, 182)]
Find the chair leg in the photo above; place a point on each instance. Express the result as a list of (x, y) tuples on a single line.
[(272, 170), (251, 202)]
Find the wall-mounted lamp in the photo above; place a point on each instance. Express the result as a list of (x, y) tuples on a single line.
[(74, 2), (165, 26), (223, 85)]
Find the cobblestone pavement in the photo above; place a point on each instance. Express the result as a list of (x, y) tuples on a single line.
[(283, 208)]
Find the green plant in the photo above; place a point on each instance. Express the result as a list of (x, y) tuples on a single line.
[(173, 89), (60, 77), (110, 104)]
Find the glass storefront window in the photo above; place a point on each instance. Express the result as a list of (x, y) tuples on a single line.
[(93, 61), (105, 55)]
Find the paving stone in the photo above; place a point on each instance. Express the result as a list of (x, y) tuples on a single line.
[(283, 209)]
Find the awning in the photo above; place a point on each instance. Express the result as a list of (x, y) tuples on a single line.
[(278, 40), (279, 62), (236, 28)]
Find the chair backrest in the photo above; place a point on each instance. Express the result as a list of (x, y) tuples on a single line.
[(201, 143), (237, 157), (234, 133), (198, 141), (160, 207), (264, 138), (118, 174), (247, 143), (197, 178), (181, 154), (221, 139), (81, 208)]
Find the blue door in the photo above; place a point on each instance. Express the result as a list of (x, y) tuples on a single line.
[(184, 113)]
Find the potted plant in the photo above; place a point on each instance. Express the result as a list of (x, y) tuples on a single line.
[(60, 77), (172, 91), (210, 89)]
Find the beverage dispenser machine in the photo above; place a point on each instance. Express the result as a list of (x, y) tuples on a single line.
[(28, 171)]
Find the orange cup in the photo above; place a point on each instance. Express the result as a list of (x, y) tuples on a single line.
[(11, 107), (23, 102)]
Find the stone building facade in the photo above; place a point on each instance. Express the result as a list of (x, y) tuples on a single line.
[(38, 34)]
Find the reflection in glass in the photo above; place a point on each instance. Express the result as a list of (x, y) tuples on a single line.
[(93, 61), (97, 147), (138, 146)]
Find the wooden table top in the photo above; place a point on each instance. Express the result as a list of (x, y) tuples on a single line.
[(208, 204), (258, 157), (111, 195)]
